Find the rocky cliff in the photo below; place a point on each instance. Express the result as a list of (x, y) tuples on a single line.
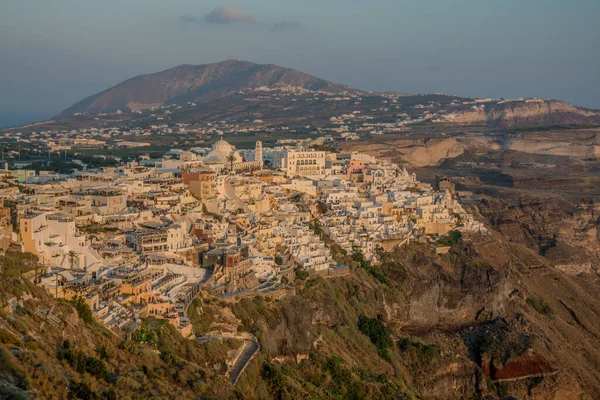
[(490, 319), (527, 113)]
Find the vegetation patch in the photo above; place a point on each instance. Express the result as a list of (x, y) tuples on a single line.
[(83, 310), (82, 362), (251, 311), (423, 355), (371, 269), (15, 263), (450, 239), (540, 305), (379, 333), (344, 385), (301, 274)]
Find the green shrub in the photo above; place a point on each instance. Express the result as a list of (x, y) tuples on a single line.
[(422, 357), (83, 310), (74, 357), (110, 394), (425, 351), (167, 356), (102, 353), (96, 367), (301, 274), (340, 374), (357, 255), (83, 391), (374, 271), (272, 374), (385, 355), (344, 384), (540, 305), (147, 371), (452, 238), (371, 269), (378, 333), (82, 363), (311, 283)]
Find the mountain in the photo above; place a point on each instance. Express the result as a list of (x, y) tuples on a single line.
[(185, 83)]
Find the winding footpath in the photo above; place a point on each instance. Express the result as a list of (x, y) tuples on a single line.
[(249, 350), (245, 356)]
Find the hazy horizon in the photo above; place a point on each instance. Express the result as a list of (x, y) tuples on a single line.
[(55, 54)]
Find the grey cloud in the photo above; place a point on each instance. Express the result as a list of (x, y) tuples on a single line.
[(228, 15), (283, 25)]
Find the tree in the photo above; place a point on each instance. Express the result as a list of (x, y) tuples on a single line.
[(73, 257), (231, 159)]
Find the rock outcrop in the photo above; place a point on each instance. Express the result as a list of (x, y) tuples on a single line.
[(527, 113)]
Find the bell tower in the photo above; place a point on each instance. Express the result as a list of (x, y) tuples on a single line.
[(258, 153)]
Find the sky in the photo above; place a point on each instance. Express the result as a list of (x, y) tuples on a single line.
[(54, 53)]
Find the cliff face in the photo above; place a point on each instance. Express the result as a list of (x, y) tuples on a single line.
[(417, 152), (564, 232), (490, 318), (186, 83), (490, 292), (528, 113)]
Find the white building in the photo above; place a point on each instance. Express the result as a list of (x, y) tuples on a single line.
[(308, 163)]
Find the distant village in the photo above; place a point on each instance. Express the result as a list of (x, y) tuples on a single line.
[(144, 236), (360, 116)]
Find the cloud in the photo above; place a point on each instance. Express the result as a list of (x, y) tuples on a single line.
[(283, 25), (228, 15)]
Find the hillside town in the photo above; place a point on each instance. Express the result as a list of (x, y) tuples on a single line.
[(144, 237)]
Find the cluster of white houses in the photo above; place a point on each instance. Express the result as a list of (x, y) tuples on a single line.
[(141, 239)]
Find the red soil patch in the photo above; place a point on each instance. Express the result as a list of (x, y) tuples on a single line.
[(525, 366)]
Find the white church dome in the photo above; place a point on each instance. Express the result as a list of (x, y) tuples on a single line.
[(220, 151)]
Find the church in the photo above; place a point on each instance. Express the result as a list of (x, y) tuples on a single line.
[(225, 156)]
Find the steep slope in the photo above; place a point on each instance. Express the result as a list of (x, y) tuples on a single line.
[(490, 319), (54, 349), (535, 112), (184, 83), (486, 320)]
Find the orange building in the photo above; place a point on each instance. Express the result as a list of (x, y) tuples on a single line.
[(201, 182)]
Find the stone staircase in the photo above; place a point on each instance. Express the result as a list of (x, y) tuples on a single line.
[(47, 315), (250, 348)]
